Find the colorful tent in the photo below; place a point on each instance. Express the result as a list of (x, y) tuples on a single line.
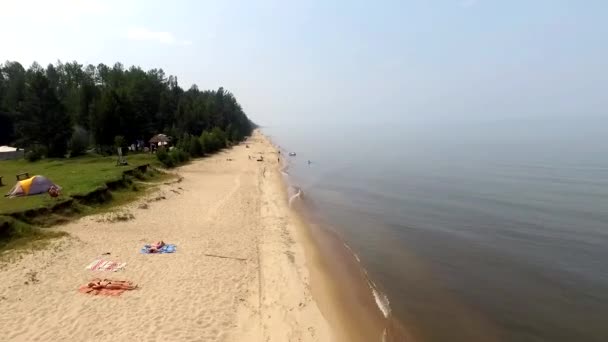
[(31, 186)]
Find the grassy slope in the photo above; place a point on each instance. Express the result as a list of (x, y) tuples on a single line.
[(76, 176)]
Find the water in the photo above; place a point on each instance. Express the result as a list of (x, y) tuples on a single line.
[(475, 231)]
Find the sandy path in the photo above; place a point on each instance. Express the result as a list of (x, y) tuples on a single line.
[(236, 209)]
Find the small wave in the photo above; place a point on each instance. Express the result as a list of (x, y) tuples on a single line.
[(381, 299), (284, 169), (296, 195), (355, 255)]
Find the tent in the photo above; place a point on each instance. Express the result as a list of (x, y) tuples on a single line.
[(31, 186), (7, 149), (7, 152)]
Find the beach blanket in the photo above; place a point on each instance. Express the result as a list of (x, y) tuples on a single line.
[(168, 248), (107, 287), (106, 265)]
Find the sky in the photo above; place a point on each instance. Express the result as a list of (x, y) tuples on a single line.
[(316, 61)]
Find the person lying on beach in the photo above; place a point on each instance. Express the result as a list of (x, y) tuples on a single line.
[(107, 287), (156, 247), (98, 284)]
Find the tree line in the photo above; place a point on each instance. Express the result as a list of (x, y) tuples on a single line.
[(65, 108)]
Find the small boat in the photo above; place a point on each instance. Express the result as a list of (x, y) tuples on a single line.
[(292, 154)]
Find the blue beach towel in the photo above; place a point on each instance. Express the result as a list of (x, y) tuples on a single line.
[(168, 248)]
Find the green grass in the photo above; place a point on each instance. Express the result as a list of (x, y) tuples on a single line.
[(133, 191), (76, 176)]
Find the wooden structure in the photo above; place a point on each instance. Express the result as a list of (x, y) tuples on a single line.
[(25, 175)]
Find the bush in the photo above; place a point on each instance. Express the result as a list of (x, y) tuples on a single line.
[(79, 141), (184, 143), (164, 157), (206, 143), (220, 137), (196, 148), (179, 156), (235, 136), (35, 153), (213, 141), (173, 158)]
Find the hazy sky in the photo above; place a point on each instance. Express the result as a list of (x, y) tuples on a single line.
[(324, 61)]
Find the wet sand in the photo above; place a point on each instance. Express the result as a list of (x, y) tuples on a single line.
[(356, 309)]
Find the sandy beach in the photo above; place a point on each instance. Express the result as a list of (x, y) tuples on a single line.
[(239, 273)]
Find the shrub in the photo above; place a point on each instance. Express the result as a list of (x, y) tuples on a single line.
[(214, 140), (179, 156), (220, 137), (164, 157), (206, 142), (235, 136), (172, 158), (79, 141), (184, 143), (35, 153), (196, 148)]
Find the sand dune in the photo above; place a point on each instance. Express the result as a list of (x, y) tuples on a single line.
[(239, 272)]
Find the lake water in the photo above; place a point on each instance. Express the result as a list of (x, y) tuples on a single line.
[(474, 231)]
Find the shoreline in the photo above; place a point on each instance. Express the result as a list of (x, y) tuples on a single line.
[(356, 309), (251, 265)]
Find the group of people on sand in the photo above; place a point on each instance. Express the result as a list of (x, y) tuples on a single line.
[(116, 287)]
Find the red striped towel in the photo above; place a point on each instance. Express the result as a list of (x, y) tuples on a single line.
[(105, 265)]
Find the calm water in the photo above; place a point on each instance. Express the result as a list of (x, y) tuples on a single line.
[(476, 232)]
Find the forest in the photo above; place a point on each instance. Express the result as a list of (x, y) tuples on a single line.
[(64, 110)]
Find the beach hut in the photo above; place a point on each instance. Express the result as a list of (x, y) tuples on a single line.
[(160, 140)]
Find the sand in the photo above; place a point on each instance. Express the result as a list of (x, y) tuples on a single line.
[(239, 274)]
